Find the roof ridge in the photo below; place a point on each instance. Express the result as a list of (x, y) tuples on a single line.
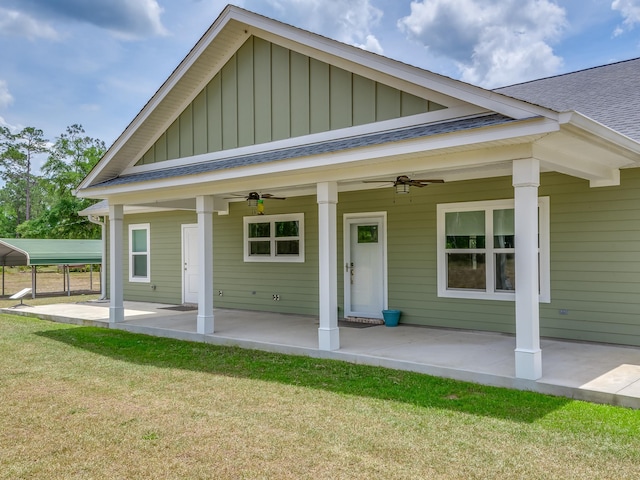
[(567, 73)]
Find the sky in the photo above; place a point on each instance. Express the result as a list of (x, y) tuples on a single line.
[(97, 62)]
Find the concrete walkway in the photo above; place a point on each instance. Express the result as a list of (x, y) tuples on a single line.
[(581, 370)]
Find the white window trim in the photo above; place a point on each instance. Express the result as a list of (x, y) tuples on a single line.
[(299, 217), (490, 293), (139, 226)]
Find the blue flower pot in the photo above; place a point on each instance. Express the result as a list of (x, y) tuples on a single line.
[(391, 317)]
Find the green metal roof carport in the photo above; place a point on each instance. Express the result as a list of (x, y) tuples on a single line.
[(16, 252)]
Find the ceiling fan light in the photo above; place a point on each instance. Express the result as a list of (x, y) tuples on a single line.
[(252, 202), (402, 188)]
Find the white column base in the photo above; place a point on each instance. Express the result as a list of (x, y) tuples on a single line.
[(116, 314), (528, 364), (329, 338), (204, 324)]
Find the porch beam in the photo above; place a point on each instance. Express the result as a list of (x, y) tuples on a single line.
[(116, 246), (328, 332), (528, 356), (204, 210)]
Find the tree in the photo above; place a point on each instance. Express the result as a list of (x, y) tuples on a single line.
[(71, 158), (17, 154)]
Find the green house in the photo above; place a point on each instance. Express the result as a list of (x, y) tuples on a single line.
[(278, 170)]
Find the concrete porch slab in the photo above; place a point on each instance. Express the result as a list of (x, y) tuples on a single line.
[(581, 370)]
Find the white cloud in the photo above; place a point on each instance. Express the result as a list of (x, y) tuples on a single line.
[(493, 42), (630, 11), (349, 21), (124, 18), (14, 22), (6, 98)]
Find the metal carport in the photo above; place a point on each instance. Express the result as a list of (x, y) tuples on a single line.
[(16, 252)]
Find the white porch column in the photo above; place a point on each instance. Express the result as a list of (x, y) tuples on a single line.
[(328, 333), (526, 180), (116, 296), (204, 209)]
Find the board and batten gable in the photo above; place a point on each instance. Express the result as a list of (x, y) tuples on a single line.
[(266, 93)]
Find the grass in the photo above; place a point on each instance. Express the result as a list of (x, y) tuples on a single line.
[(80, 402)]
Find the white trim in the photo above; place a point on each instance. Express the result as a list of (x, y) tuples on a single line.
[(147, 228), (356, 157), (272, 219), (434, 118), (348, 219), (489, 250)]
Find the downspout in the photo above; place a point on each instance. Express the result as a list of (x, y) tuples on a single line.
[(103, 271)]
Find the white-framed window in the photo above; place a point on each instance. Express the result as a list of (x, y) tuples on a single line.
[(139, 252), (476, 250), (274, 238)]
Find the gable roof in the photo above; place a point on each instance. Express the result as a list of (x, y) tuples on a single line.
[(231, 29), (608, 94)]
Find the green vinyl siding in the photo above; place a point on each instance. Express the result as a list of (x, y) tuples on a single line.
[(251, 286), (166, 257), (266, 92), (595, 258)]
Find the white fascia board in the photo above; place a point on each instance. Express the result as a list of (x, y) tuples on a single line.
[(163, 91), (533, 127), (597, 129), (435, 117)]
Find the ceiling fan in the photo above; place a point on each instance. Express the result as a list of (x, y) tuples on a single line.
[(253, 197), (402, 183), (256, 200)]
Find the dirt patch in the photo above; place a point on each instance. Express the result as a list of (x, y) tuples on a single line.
[(49, 282)]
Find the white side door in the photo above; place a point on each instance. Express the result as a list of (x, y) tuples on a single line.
[(365, 269), (190, 263)]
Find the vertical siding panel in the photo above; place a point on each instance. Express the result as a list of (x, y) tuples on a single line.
[(200, 123), (262, 87), (340, 98), (160, 149), (319, 83), (280, 88), (229, 87), (186, 132), (246, 131), (433, 106), (148, 157), (299, 94), (173, 141), (387, 102), (364, 100), (214, 114), (411, 105)]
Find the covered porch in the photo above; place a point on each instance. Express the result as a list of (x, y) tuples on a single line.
[(589, 371)]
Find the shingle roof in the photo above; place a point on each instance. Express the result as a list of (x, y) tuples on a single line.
[(312, 149), (609, 94)]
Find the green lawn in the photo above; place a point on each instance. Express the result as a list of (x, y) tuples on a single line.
[(79, 402)]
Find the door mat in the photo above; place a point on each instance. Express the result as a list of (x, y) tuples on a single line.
[(345, 323), (181, 308)]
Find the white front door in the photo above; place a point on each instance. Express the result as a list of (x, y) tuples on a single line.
[(365, 269), (190, 263)]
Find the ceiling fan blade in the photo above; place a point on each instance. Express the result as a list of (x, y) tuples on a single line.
[(429, 181), (271, 197), (377, 181)]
